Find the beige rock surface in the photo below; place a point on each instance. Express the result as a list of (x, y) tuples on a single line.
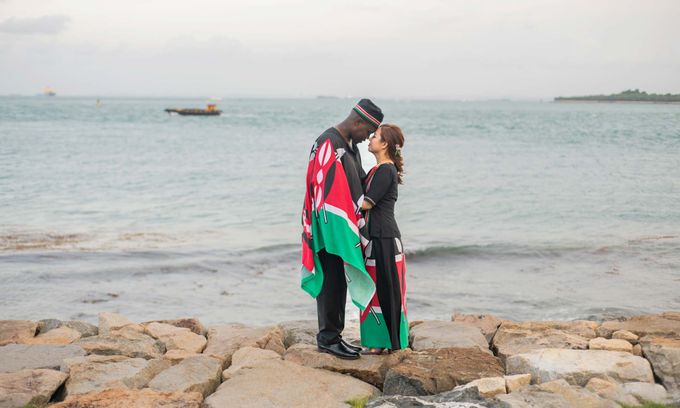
[(368, 368), (438, 370), (489, 387), (114, 321), (124, 343), (579, 366), (225, 340), (517, 338), (660, 325), (124, 398), (192, 324), (195, 374), (600, 343), (287, 384), (96, 373), (29, 387), (664, 355), (488, 324), (630, 337), (16, 331), (61, 335), (16, 357), (176, 338), (436, 334), (517, 381)]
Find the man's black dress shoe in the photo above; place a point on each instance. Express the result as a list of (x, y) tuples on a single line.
[(339, 351), (351, 346)]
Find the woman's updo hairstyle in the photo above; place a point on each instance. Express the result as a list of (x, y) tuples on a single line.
[(394, 137)]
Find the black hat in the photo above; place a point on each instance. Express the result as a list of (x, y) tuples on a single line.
[(369, 111)]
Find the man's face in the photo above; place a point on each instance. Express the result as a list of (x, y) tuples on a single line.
[(362, 130)]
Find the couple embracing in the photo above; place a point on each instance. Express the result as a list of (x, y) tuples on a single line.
[(350, 238)]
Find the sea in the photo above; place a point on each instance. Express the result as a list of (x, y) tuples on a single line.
[(520, 209)]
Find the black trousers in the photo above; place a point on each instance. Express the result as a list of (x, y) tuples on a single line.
[(330, 303)]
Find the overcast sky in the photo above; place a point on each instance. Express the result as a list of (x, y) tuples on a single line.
[(379, 48)]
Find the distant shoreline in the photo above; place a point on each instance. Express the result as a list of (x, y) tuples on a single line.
[(573, 100)]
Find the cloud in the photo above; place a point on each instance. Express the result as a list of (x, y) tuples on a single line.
[(39, 25)]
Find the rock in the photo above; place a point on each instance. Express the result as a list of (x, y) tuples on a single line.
[(16, 331), (631, 338), (176, 338), (438, 370), (124, 398), (600, 343), (85, 329), (96, 373), (517, 381), (260, 378), (61, 335), (434, 334), (637, 350), (532, 397), (29, 387), (577, 396), (611, 391), (131, 344), (16, 357), (579, 366), (369, 368), (646, 392), (195, 374), (516, 338), (224, 341), (191, 323), (664, 355), (115, 321), (176, 356), (488, 324), (489, 387), (460, 397), (645, 325), (299, 332)]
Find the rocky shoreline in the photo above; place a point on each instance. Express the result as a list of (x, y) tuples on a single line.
[(470, 361)]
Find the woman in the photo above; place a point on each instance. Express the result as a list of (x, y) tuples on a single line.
[(383, 322)]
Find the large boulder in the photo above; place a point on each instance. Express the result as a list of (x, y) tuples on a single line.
[(225, 340), (16, 331), (516, 338), (125, 398), (16, 357), (438, 370), (261, 378), (129, 343), (177, 338), (299, 332), (369, 368), (488, 324), (665, 324), (437, 334), (96, 373), (109, 322), (555, 394), (192, 324), (61, 335), (664, 355), (29, 387), (194, 374), (579, 366), (85, 329)]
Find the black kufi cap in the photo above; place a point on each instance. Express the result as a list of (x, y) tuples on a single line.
[(369, 111)]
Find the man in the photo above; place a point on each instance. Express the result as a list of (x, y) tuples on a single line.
[(332, 259)]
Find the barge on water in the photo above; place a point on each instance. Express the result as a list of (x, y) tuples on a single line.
[(210, 110)]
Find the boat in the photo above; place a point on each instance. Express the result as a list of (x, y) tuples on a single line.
[(49, 91), (210, 110)]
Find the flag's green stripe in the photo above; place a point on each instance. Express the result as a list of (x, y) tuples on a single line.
[(375, 335)]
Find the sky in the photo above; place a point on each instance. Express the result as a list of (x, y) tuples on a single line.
[(450, 49)]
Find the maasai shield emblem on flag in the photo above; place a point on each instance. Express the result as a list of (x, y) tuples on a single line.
[(330, 221)]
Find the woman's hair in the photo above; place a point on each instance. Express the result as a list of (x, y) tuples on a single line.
[(394, 137)]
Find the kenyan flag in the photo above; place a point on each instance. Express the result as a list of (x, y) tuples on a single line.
[(330, 221)]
